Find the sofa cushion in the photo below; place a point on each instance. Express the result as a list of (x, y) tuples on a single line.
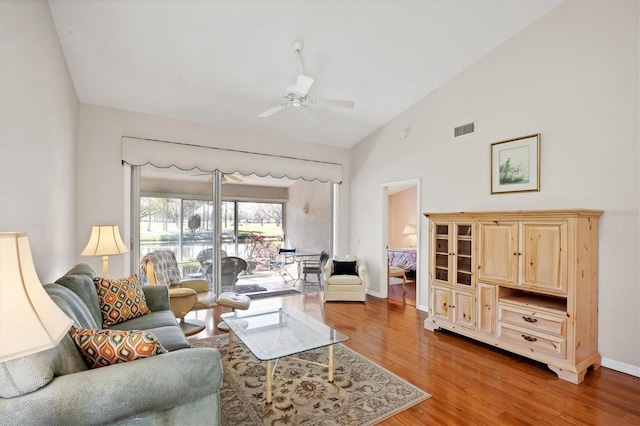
[(72, 305), (171, 338), (24, 375), (80, 281), (344, 268), (146, 322), (101, 348), (344, 280), (120, 300)]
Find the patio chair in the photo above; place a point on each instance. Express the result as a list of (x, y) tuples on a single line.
[(205, 258), (313, 267), (283, 262), (231, 267)]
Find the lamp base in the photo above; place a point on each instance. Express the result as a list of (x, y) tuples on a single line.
[(105, 266)]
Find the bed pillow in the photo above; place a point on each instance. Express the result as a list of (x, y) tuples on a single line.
[(344, 268), (101, 348), (120, 300)]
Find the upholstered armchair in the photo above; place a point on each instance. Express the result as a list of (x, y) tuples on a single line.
[(345, 279), (161, 267)]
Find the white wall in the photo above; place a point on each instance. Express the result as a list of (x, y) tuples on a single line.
[(573, 77), (101, 177), (38, 137), (308, 217)]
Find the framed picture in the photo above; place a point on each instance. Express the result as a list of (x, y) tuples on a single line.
[(515, 165)]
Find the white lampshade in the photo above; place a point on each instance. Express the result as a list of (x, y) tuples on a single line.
[(409, 230), (30, 321), (104, 241)]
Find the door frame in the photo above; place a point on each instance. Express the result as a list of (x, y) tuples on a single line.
[(384, 233)]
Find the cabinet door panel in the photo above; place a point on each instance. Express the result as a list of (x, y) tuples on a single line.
[(464, 309), (441, 299), (544, 251), (497, 252), (441, 259), (487, 308), (464, 261)]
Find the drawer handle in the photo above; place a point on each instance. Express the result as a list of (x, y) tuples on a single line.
[(530, 319), (529, 338)]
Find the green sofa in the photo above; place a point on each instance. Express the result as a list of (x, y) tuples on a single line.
[(179, 387)]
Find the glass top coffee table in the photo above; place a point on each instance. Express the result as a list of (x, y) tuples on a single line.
[(279, 332)]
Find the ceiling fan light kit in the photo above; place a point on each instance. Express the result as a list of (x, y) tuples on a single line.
[(297, 96)]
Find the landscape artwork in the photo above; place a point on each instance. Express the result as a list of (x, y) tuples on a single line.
[(515, 165)]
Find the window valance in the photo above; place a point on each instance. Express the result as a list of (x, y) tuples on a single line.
[(138, 152)]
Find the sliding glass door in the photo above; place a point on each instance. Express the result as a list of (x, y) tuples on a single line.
[(203, 217)]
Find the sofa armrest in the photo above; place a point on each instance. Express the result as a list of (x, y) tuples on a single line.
[(157, 297), (362, 272), (199, 286), (328, 269), (109, 394)]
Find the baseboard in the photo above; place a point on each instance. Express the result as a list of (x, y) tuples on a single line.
[(621, 367)]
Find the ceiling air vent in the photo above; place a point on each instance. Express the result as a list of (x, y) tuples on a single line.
[(464, 129)]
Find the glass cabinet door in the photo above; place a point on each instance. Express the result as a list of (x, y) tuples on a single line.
[(463, 254), (442, 266)]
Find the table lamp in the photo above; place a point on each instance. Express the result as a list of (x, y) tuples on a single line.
[(105, 241), (30, 321), (409, 230)]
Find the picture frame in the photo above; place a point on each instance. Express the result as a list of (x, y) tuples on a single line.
[(515, 165)]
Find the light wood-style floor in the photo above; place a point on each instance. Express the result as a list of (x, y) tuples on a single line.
[(470, 383)]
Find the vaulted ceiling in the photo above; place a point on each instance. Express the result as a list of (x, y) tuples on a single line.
[(225, 62)]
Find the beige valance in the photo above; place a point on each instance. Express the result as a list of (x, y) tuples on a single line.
[(138, 152)]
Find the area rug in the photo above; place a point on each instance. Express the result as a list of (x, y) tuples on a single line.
[(248, 288), (363, 393), (268, 294)]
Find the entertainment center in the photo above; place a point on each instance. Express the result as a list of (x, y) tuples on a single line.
[(523, 281)]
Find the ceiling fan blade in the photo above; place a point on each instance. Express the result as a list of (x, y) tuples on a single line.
[(303, 84), (272, 111), (234, 178), (335, 102)]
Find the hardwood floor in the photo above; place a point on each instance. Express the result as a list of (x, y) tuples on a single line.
[(470, 383)]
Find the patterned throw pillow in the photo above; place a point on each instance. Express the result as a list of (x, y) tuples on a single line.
[(120, 300), (100, 348)]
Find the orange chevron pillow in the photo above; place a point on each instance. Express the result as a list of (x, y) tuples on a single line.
[(100, 348), (120, 300)]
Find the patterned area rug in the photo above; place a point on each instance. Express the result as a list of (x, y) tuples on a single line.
[(248, 288), (363, 393), (269, 294)]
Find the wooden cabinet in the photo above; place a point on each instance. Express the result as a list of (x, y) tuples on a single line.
[(486, 308), (451, 254), (524, 281), (453, 272), (454, 306), (525, 254)]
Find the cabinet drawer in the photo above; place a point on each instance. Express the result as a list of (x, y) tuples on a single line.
[(533, 320), (536, 341)]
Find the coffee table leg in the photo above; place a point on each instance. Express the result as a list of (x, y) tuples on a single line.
[(330, 363), (269, 380), (230, 342)]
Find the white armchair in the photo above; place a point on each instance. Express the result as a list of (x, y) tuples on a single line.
[(345, 279)]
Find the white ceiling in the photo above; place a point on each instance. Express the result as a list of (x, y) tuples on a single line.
[(224, 62)]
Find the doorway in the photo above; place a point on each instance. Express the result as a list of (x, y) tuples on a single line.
[(401, 240)]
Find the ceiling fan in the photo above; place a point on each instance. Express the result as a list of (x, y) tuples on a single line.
[(298, 96)]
